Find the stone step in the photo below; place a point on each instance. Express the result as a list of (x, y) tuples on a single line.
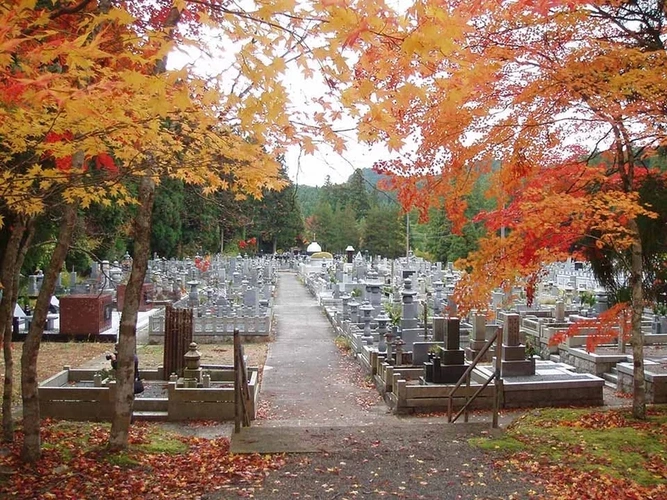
[(614, 370), (611, 385), (612, 378), (555, 358), (153, 416)]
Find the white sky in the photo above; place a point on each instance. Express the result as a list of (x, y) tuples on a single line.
[(312, 170), (303, 169)]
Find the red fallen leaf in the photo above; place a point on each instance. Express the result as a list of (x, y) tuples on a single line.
[(87, 473)]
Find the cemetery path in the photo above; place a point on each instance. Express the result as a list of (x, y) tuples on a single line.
[(305, 380), (339, 437)]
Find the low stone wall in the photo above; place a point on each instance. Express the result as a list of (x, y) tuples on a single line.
[(59, 400), (589, 362), (655, 377), (410, 397), (553, 394)]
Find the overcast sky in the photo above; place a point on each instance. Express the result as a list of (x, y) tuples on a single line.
[(310, 170)]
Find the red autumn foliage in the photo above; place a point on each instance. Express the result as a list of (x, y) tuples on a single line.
[(203, 264), (599, 330)]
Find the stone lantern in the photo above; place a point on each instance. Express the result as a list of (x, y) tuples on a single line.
[(367, 309), (345, 298), (382, 320), (192, 368), (354, 311), (193, 295)]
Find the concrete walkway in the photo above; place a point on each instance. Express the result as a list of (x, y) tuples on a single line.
[(306, 381)]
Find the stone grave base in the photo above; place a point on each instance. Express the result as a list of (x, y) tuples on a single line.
[(72, 395), (554, 384), (417, 396), (590, 362)]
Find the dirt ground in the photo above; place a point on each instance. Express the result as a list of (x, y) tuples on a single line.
[(419, 460)]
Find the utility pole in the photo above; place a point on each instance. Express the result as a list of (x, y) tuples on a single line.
[(407, 237)]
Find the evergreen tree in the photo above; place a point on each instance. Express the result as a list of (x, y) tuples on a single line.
[(322, 226), (200, 229), (384, 232), (345, 231), (168, 215), (278, 221), (358, 197)]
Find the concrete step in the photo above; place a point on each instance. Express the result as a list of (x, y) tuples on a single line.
[(610, 385), (614, 370), (610, 380), (555, 358), (152, 416)]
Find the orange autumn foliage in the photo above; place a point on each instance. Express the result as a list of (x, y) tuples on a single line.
[(543, 99)]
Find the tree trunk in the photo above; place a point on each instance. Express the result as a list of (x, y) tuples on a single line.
[(29, 384), (6, 316), (639, 388), (12, 261), (127, 341)]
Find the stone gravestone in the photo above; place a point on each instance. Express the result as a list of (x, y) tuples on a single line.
[(514, 362), (450, 365), (410, 307), (560, 311), (439, 328), (478, 339)]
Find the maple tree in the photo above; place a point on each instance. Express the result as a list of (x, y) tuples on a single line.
[(538, 88), (88, 106)]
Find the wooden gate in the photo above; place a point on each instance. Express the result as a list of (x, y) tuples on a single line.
[(178, 334), (241, 392)]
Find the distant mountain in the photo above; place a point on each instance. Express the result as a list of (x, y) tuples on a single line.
[(372, 179), (309, 196)]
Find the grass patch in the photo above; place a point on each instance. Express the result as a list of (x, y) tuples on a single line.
[(343, 343), (610, 448), (93, 436), (161, 441), (122, 459), (503, 444)]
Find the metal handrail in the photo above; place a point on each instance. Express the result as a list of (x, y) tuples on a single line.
[(466, 375)]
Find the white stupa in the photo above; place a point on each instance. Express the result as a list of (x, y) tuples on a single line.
[(313, 248)]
